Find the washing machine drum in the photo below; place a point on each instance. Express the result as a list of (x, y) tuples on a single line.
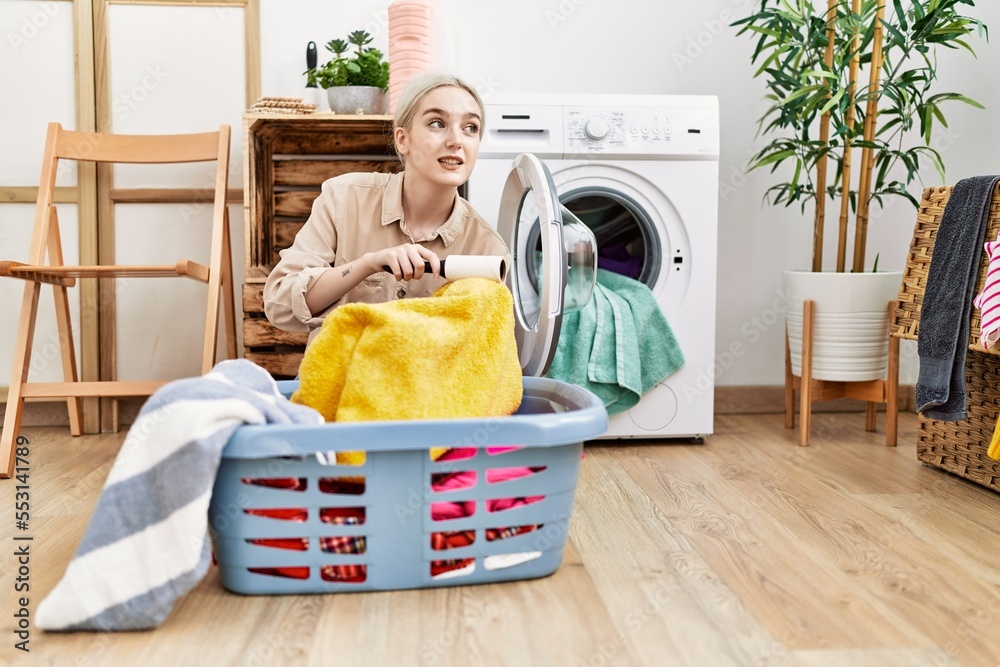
[(554, 260)]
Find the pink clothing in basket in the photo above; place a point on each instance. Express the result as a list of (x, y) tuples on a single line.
[(988, 301)]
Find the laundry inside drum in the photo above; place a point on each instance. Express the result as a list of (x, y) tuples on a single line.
[(622, 231)]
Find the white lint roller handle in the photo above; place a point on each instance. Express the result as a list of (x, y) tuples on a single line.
[(469, 266)]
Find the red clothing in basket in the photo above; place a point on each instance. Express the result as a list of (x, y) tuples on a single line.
[(440, 511)]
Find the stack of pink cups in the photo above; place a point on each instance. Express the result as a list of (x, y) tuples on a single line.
[(411, 46)]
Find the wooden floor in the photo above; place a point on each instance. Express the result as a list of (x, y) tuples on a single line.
[(744, 551)]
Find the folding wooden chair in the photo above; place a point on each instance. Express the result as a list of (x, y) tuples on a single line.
[(45, 240)]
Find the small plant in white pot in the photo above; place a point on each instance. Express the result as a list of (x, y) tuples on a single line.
[(355, 83), (820, 117)]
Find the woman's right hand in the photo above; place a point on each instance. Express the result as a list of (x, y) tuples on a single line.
[(406, 262)]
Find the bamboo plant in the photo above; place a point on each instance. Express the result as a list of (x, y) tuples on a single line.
[(811, 55)]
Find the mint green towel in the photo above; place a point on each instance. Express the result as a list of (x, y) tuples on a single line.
[(619, 345)]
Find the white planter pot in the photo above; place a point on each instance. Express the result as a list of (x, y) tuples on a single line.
[(850, 322), (357, 100)]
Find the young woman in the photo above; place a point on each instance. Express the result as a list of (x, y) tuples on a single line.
[(362, 222)]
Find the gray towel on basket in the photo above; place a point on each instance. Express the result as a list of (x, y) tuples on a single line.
[(147, 541), (947, 307)]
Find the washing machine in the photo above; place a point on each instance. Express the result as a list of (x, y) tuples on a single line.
[(641, 172)]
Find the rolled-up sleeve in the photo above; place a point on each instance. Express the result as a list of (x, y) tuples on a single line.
[(310, 255)]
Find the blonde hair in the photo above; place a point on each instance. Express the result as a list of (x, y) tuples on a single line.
[(417, 88)]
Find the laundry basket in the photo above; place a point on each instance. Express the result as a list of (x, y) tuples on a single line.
[(958, 447), (283, 512)]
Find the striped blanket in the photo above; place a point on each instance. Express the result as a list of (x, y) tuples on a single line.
[(147, 542)]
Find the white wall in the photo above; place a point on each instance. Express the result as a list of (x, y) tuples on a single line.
[(631, 46)]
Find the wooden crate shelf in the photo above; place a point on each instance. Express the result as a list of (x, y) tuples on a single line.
[(286, 159)]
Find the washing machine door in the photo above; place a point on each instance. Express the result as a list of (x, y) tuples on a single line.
[(531, 224)]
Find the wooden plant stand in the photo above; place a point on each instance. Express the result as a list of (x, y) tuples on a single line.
[(812, 390)]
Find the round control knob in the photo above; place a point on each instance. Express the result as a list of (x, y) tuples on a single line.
[(597, 129)]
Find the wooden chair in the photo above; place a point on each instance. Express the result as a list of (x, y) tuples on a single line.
[(45, 240)]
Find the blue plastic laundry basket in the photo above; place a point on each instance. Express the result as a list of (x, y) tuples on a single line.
[(270, 540)]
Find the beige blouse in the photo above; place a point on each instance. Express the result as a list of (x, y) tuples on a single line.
[(354, 214)]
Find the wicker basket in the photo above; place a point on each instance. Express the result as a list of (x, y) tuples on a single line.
[(958, 447)]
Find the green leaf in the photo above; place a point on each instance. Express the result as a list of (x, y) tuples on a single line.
[(765, 31), (939, 115), (958, 98), (820, 73), (938, 162), (770, 60), (337, 46), (801, 92), (900, 14), (883, 168), (894, 32), (775, 157), (910, 198), (832, 102)]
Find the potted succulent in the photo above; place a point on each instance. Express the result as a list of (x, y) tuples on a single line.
[(355, 83), (821, 116)]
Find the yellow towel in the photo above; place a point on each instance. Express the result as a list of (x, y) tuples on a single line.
[(451, 355), (994, 449)]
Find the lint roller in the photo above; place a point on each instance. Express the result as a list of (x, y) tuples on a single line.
[(469, 266)]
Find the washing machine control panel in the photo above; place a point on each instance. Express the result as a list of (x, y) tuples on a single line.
[(638, 131), (595, 129)]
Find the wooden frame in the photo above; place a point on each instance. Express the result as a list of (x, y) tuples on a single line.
[(251, 23), (107, 194), (812, 390), (95, 194)]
